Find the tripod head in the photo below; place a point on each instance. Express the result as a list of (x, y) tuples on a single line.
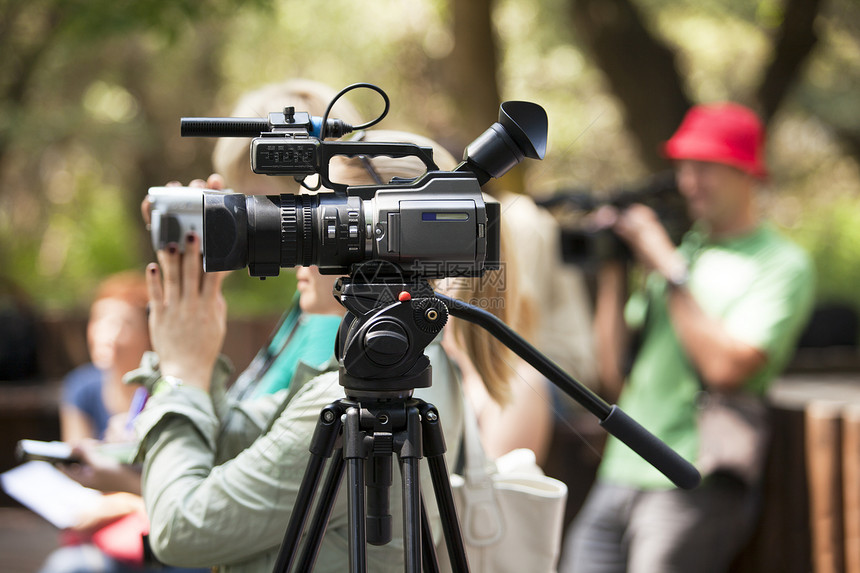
[(381, 341)]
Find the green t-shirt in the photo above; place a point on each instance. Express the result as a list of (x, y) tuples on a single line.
[(760, 286)]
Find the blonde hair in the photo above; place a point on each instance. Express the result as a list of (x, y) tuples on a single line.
[(499, 292), (230, 156)]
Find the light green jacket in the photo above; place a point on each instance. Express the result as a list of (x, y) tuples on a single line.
[(220, 480)]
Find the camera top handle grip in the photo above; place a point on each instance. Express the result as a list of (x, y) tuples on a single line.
[(329, 149), (612, 418)]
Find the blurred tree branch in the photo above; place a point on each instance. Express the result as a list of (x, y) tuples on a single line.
[(470, 76), (32, 30), (471, 67), (793, 44), (639, 68), (641, 71), (22, 53)]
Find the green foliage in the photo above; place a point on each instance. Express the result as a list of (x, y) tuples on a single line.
[(87, 235), (249, 296), (91, 92), (831, 235)]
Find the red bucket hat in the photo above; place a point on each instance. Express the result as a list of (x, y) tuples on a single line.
[(725, 133)]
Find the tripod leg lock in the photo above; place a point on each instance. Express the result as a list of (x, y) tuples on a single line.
[(431, 426), (327, 431)]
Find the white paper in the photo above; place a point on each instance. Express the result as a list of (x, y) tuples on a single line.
[(49, 492)]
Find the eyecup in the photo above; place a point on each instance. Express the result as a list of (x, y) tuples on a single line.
[(526, 123)]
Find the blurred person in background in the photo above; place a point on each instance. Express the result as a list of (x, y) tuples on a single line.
[(720, 312), (554, 314), (95, 412), (117, 337)]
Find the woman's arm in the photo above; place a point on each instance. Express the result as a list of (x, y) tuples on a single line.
[(194, 504)]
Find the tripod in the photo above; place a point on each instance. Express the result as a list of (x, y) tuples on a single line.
[(380, 347)]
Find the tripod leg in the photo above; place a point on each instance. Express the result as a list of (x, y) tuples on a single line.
[(355, 455), (428, 552), (410, 456), (434, 448), (316, 530), (322, 444)]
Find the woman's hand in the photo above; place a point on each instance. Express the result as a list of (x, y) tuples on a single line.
[(188, 314), (108, 509), (101, 472)]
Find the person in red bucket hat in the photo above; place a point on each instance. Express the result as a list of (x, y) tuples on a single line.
[(719, 313)]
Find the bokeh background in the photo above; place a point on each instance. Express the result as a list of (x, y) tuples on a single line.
[(91, 92)]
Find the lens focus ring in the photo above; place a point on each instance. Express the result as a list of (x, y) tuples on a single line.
[(296, 230), (306, 242), (289, 238)]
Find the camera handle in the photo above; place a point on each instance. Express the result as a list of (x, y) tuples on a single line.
[(612, 418)]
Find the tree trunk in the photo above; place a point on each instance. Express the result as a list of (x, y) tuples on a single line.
[(639, 68), (470, 76), (471, 68), (795, 40)]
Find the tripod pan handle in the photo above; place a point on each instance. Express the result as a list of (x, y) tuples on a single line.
[(654, 451)]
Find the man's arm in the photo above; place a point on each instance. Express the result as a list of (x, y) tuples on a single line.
[(722, 360)]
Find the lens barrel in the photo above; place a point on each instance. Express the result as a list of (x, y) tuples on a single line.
[(268, 232)]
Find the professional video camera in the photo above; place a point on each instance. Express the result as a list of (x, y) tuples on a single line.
[(583, 246), (437, 225)]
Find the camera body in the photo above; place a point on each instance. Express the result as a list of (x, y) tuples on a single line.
[(175, 212), (434, 226), (438, 225)]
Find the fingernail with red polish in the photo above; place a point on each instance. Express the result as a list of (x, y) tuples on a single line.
[(172, 248), (189, 237)]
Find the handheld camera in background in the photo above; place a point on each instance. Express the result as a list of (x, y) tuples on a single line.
[(175, 212), (583, 246)]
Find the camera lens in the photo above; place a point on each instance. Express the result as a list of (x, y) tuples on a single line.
[(269, 232)]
